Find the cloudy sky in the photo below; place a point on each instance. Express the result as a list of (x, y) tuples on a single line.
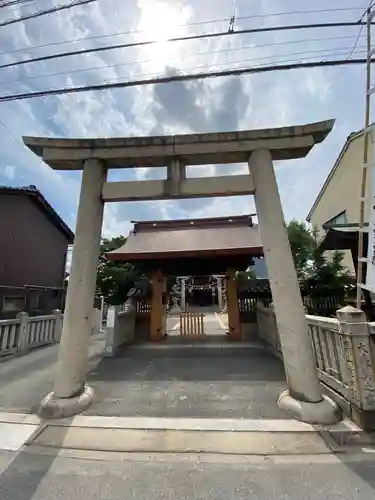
[(254, 101)]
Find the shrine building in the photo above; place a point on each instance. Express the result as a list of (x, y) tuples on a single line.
[(196, 247)]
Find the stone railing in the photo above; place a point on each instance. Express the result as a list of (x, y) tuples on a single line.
[(344, 358), (28, 332), (25, 333), (10, 337), (41, 330), (329, 349)]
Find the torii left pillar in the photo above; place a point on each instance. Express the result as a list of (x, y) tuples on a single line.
[(71, 395)]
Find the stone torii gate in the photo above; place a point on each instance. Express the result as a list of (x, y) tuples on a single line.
[(258, 148)]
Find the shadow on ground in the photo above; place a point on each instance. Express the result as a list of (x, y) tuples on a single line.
[(189, 382), (26, 472)]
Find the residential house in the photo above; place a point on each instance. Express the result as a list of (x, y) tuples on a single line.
[(33, 248), (338, 202)]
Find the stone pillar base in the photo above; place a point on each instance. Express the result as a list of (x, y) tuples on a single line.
[(325, 412), (52, 407)]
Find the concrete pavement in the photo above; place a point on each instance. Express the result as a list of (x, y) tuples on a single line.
[(32, 475), (193, 380), (26, 379), (259, 453), (209, 378)]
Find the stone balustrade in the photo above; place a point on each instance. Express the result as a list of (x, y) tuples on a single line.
[(26, 332), (344, 352)]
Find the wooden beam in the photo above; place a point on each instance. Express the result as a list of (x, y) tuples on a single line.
[(227, 185)]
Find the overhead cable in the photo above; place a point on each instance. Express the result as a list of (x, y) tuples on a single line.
[(181, 78), (197, 54), (191, 24), (179, 39), (44, 12), (14, 3)]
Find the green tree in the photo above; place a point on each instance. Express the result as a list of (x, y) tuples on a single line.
[(328, 272), (315, 268), (245, 275), (115, 279), (303, 244)]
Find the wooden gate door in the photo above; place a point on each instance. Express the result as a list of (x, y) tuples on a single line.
[(191, 324)]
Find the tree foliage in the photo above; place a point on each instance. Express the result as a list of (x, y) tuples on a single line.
[(115, 279), (328, 272), (302, 243), (314, 267), (246, 275)]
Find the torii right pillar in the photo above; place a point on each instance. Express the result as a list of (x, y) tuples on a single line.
[(304, 397)]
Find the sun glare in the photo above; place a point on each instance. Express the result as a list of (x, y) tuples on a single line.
[(160, 21)]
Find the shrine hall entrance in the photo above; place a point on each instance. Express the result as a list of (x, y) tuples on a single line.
[(195, 307), (204, 255), (203, 324)]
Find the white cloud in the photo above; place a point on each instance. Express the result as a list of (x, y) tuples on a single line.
[(10, 172), (113, 225), (264, 100)]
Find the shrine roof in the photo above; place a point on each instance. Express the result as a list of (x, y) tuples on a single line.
[(197, 238)]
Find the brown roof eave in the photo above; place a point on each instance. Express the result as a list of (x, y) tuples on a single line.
[(127, 257)]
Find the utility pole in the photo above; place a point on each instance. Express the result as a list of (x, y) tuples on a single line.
[(367, 282)]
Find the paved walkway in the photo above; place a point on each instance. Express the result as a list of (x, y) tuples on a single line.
[(181, 378), (203, 381), (26, 379), (269, 457), (73, 474)]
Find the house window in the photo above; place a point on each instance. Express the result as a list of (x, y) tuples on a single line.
[(340, 219), (13, 304)]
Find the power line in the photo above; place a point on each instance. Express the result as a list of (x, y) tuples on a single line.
[(229, 65), (232, 65), (306, 56), (22, 145), (10, 133), (355, 43), (233, 17), (181, 78), (196, 23), (197, 54), (179, 39), (15, 3), (52, 10), (359, 32)]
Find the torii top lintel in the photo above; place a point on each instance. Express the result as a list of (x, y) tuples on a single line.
[(193, 149)]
